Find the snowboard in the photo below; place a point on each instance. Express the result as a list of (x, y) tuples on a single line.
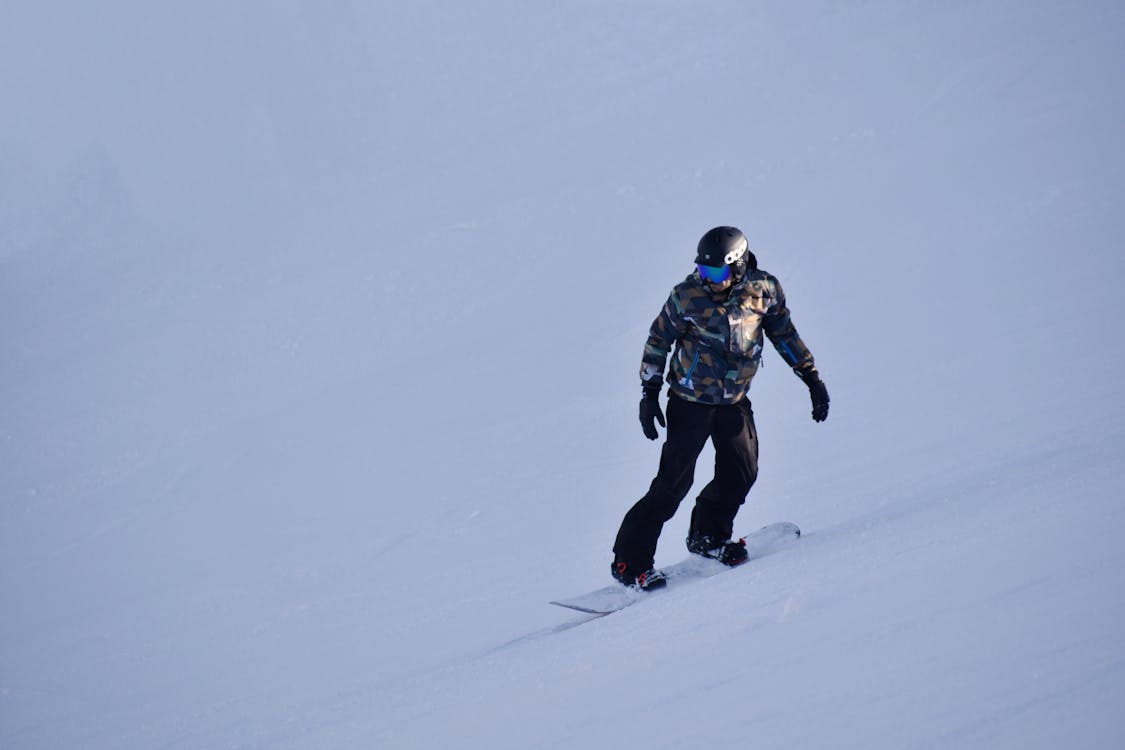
[(614, 597)]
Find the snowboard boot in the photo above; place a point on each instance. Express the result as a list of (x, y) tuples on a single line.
[(727, 552), (644, 580)]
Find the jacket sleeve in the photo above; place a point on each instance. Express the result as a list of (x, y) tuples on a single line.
[(668, 326), (783, 335)]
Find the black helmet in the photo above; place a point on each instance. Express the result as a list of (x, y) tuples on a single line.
[(726, 246)]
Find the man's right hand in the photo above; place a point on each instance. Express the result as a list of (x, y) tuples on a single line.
[(650, 413)]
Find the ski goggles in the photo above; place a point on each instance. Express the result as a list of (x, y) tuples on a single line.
[(714, 274)]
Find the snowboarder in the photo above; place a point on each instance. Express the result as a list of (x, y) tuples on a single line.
[(715, 319)]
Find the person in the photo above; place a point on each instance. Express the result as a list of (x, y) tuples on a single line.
[(715, 319)]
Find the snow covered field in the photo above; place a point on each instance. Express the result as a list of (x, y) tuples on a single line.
[(319, 335)]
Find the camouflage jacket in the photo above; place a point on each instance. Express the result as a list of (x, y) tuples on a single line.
[(718, 340)]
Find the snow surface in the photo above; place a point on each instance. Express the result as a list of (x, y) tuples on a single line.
[(320, 325)]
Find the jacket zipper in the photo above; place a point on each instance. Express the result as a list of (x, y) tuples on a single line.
[(686, 379)]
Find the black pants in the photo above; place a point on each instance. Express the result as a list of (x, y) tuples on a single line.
[(731, 430)]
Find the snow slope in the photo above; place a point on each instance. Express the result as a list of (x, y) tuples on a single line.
[(320, 326)]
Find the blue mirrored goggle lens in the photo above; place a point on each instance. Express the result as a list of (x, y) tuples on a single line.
[(716, 274)]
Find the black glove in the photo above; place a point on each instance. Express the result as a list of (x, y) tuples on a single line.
[(818, 391), (650, 412)]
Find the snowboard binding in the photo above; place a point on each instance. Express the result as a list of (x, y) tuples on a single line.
[(644, 580), (728, 552)]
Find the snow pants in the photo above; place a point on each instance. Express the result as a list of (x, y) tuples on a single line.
[(731, 430)]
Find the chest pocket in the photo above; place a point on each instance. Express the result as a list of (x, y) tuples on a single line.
[(746, 320), (746, 333)]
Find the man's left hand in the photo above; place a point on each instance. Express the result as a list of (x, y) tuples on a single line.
[(819, 393)]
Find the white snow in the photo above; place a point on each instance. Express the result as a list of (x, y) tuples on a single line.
[(320, 326)]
